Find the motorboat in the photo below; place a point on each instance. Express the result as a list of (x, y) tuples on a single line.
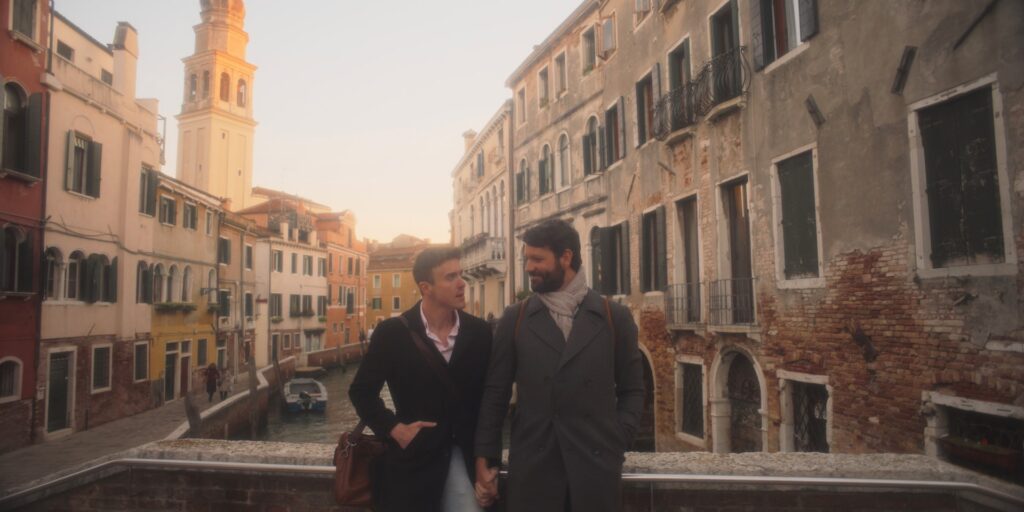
[(305, 395)]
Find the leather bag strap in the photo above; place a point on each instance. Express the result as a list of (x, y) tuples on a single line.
[(431, 360)]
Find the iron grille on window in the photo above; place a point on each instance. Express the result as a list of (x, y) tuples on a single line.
[(810, 402), (682, 303), (693, 400), (731, 301)]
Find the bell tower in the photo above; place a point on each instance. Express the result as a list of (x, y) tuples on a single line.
[(215, 126)]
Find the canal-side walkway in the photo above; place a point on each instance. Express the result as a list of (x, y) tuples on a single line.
[(36, 461)]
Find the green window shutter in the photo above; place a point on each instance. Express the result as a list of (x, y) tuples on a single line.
[(93, 275), (626, 280), (761, 33), (26, 262), (151, 185), (588, 164), (69, 161), (147, 285), (33, 142), (808, 18), (734, 8), (92, 184), (602, 148), (110, 287), (661, 256), (622, 127)]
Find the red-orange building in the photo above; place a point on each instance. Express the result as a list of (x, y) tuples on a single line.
[(23, 54), (346, 281)]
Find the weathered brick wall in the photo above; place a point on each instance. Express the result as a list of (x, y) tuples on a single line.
[(15, 421)]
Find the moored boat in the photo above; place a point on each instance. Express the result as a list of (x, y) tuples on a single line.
[(302, 395)]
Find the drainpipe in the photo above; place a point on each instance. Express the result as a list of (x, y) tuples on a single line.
[(510, 235), (241, 302)]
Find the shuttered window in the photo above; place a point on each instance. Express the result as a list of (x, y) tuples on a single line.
[(294, 305), (610, 259), (615, 133), (16, 260), (588, 47), (25, 17), (224, 302), (799, 217), (168, 211), (190, 216), (141, 370), (275, 304), (147, 191), (82, 165), (690, 399), (223, 251), (779, 26), (644, 108), (653, 269), (20, 130), (101, 368), (248, 305)]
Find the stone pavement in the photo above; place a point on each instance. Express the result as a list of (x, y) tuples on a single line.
[(41, 459)]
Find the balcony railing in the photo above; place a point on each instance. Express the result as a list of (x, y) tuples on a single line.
[(731, 302), (682, 304), (484, 257), (721, 79)]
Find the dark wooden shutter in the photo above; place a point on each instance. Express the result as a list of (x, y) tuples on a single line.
[(151, 183), (602, 148), (758, 29), (656, 83), (734, 8), (92, 183), (661, 259), (329, 297), (808, 18), (69, 161), (26, 264), (799, 230), (350, 303), (35, 134), (622, 127), (541, 179), (588, 164), (110, 287), (626, 281), (147, 285), (93, 278), (609, 269)]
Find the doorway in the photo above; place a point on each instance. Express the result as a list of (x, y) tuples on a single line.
[(58, 404)]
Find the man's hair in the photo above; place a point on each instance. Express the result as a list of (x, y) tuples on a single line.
[(556, 235), (429, 259)]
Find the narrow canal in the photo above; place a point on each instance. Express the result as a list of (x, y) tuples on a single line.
[(315, 427)]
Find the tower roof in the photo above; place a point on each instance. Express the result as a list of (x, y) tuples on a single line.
[(233, 6)]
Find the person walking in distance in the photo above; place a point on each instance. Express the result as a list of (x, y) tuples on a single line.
[(212, 376)]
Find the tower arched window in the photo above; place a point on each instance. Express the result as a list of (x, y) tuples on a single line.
[(193, 87), (206, 84), (544, 171), (242, 92), (225, 87)]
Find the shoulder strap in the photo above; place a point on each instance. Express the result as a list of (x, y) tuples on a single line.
[(611, 325), (431, 360), (519, 319)]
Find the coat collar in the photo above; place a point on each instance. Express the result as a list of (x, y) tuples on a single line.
[(589, 321), (462, 339)]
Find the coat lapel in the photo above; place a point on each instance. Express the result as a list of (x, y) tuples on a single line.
[(462, 340), (540, 322), (416, 324), (588, 323)]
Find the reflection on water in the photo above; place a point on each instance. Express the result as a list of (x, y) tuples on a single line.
[(315, 427)]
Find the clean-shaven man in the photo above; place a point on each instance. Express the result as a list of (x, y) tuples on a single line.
[(574, 359), (436, 389)]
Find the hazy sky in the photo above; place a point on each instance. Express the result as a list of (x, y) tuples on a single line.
[(361, 105)]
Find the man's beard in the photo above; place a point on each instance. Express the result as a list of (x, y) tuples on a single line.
[(550, 281)]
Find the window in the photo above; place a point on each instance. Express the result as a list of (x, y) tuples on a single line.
[(588, 47), (201, 355), (962, 211), (564, 168), (608, 37), (680, 89), (593, 158), (545, 175), (342, 296), (287, 341), (172, 279), (725, 43), (20, 132), (224, 302), (307, 265), (640, 11), (653, 262), (307, 305), (295, 263), (75, 278), (141, 371), (561, 82), (225, 87), (241, 93), (101, 362), (645, 108), (278, 261), (521, 105), (615, 133), (350, 301), (209, 223), (690, 399), (190, 216), (168, 210), (206, 84), (359, 265), (186, 285), (805, 408), (609, 251), (350, 263), (778, 26), (376, 281), (294, 305), (321, 306), (222, 353), (16, 257), (10, 380), (796, 216), (248, 305), (479, 165), (143, 284), (396, 303), (107, 77), (52, 273), (321, 266), (147, 191), (396, 280), (248, 257), (24, 17), (211, 286), (376, 303), (82, 165), (223, 251), (275, 305), (522, 182), (65, 51), (542, 88), (685, 297), (193, 87), (731, 301)]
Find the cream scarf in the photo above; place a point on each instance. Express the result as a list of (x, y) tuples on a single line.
[(562, 304)]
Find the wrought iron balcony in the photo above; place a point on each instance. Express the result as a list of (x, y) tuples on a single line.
[(721, 79), (483, 255), (683, 304), (731, 302)]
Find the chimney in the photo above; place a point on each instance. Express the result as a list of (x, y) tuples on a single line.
[(126, 58), (470, 137)]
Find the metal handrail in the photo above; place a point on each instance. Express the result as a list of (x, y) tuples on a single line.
[(16, 499)]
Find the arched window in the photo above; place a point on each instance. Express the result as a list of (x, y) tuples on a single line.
[(51, 277), (523, 182), (10, 379), (225, 87), (564, 171), (15, 260), (74, 282), (241, 93), (591, 151), (483, 215), (143, 284), (193, 87), (501, 210), (472, 221), (186, 285), (206, 84), (99, 275), (172, 284), (544, 171), (14, 131), (158, 283)]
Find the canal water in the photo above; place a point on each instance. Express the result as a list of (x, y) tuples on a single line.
[(315, 427)]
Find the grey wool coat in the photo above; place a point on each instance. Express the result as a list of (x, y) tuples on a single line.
[(579, 404)]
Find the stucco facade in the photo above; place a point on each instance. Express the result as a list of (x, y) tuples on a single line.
[(390, 287), (346, 282)]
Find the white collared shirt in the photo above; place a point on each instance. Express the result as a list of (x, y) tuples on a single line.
[(445, 347)]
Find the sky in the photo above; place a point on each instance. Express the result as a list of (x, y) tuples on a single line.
[(361, 105)]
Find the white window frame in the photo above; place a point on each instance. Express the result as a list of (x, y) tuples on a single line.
[(780, 257), (521, 103), (396, 280), (937, 423), (787, 443), (797, 49), (277, 260), (209, 223), (583, 50), (160, 209), (561, 75), (72, 389), (922, 227), (639, 17), (134, 362), (543, 87), (33, 39), (248, 256), (19, 374), (110, 369), (185, 218), (678, 375)]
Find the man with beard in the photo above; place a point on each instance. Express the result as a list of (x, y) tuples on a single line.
[(574, 359), (433, 359)]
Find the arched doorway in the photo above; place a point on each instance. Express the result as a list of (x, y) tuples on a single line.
[(643, 441), (744, 393)]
